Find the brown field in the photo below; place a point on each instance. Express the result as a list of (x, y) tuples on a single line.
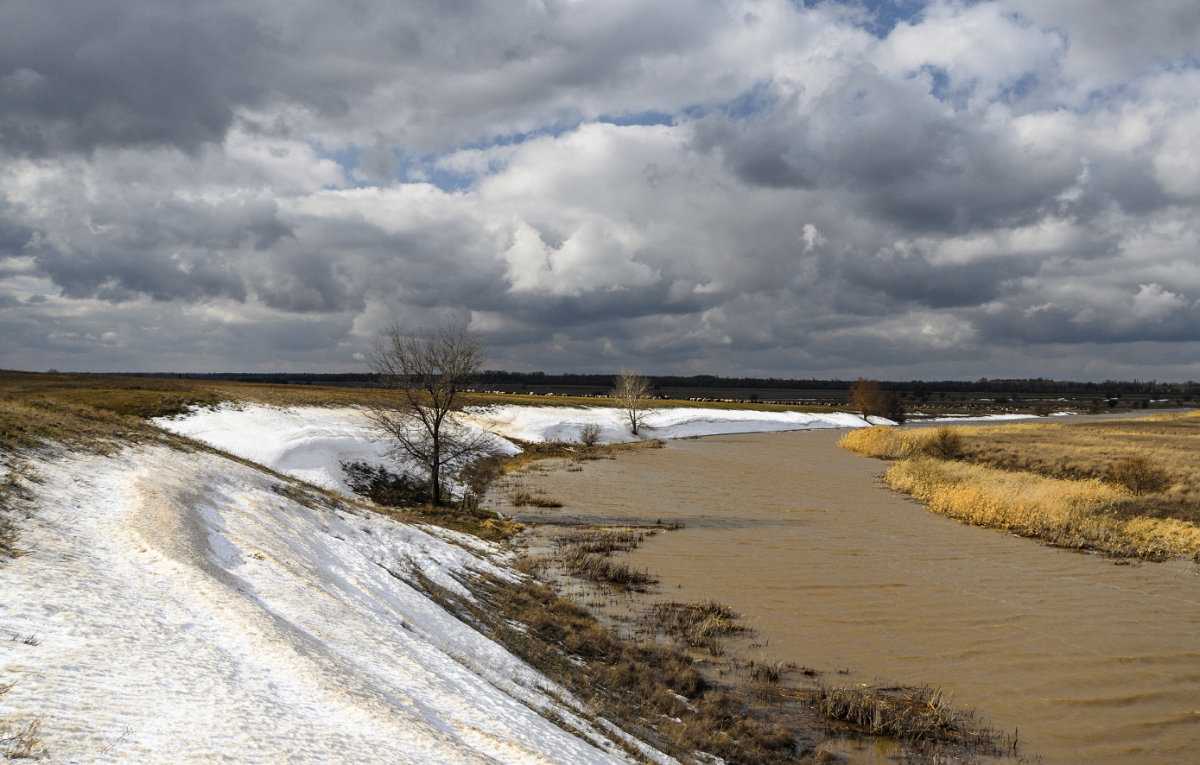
[(1124, 487)]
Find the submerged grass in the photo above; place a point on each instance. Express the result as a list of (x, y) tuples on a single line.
[(918, 716), (1122, 487), (698, 625)]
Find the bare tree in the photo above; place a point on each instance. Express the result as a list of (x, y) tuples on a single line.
[(873, 401), (632, 392), (428, 370)]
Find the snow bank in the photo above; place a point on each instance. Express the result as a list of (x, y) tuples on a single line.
[(554, 423), (310, 443), (177, 607)]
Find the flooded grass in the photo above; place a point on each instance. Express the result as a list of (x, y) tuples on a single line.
[(698, 625), (531, 499), (920, 716)]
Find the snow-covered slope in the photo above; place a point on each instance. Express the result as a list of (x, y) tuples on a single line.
[(180, 607)]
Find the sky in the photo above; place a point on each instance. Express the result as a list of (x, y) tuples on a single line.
[(886, 188)]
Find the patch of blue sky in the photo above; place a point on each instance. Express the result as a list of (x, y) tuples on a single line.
[(882, 16), (1021, 89), (346, 158), (747, 104), (942, 88), (646, 118)]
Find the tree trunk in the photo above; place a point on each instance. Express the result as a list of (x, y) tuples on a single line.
[(435, 473)]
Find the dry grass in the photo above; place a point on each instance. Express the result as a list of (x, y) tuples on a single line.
[(587, 553), (522, 498), (882, 442), (14, 497), (890, 443), (601, 540), (698, 625), (601, 568), (1123, 487), (20, 742), (919, 716)]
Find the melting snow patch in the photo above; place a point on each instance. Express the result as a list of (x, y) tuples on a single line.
[(185, 610)]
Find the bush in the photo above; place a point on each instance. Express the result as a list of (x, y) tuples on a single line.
[(944, 444), (589, 434), (383, 487), (1139, 475)]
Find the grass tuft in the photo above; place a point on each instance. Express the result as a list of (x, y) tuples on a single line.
[(22, 742), (920, 716), (523, 498), (698, 625)]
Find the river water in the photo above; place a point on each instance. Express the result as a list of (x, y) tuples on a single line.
[(1090, 661)]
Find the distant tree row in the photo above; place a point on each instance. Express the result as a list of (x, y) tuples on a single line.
[(602, 382)]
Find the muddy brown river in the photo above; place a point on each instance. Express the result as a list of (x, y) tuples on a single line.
[(1090, 661)]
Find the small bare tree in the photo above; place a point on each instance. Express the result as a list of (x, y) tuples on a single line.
[(428, 370), (589, 434), (632, 393), (873, 401)]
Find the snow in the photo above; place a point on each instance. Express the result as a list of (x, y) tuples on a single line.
[(182, 607), (310, 443), (546, 423)]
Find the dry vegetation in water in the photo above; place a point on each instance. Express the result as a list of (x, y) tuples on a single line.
[(1122, 487), (587, 553), (698, 625), (656, 692), (919, 716)]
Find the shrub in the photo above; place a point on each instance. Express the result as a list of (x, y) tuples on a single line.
[(383, 487), (589, 434), (945, 444), (1139, 475)]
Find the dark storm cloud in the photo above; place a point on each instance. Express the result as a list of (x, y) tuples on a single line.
[(170, 250), (916, 280), (165, 72), (13, 236), (120, 72)]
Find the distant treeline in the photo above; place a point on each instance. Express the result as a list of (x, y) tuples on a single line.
[(499, 379)]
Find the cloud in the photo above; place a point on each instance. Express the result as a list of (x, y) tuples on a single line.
[(747, 186)]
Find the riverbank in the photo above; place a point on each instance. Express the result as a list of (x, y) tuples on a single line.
[(1125, 488)]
